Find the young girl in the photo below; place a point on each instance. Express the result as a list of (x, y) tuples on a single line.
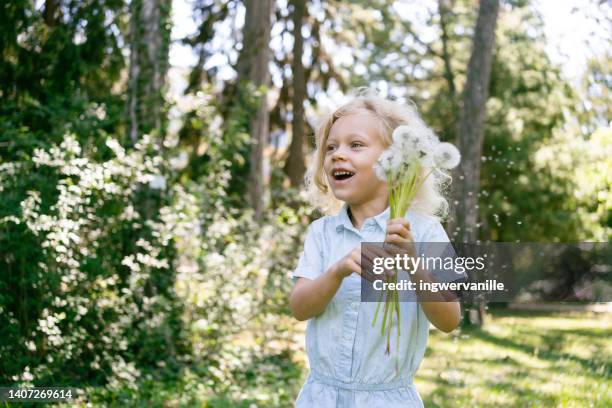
[(348, 366)]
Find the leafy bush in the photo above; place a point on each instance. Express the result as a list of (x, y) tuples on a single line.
[(88, 288), (115, 270)]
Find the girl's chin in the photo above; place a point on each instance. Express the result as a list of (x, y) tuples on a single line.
[(342, 196), (345, 196)]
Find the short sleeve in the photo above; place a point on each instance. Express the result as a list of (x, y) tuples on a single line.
[(310, 264)]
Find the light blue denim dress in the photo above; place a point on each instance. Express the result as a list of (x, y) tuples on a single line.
[(348, 364)]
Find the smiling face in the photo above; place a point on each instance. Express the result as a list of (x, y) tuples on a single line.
[(352, 148)]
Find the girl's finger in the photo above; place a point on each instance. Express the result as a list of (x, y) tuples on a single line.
[(376, 251), (399, 221), (354, 266), (396, 238), (370, 253), (366, 252), (356, 257), (398, 229), (406, 223)]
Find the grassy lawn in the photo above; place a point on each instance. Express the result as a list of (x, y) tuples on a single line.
[(522, 360), (518, 360)]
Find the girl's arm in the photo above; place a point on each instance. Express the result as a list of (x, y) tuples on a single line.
[(446, 316), (309, 298)]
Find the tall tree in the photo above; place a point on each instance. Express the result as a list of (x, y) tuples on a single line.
[(252, 68), (472, 119), (149, 41), (444, 9), (51, 13), (471, 133), (295, 166), (146, 113)]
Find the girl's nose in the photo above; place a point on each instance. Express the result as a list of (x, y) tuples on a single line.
[(338, 155)]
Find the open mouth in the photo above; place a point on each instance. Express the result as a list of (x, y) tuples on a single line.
[(342, 175)]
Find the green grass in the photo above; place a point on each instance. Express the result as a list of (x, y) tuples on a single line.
[(517, 360), (521, 360)]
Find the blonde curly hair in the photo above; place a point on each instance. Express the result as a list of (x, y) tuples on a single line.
[(430, 199)]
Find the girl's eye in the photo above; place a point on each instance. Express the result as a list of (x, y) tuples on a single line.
[(330, 148), (356, 144)]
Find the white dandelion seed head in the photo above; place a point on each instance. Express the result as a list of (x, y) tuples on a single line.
[(401, 134), (383, 161), (415, 140), (380, 172), (446, 156), (427, 158), (397, 156), (389, 161), (430, 139)]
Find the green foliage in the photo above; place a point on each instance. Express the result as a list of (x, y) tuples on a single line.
[(528, 193), (530, 106), (88, 290), (586, 165), (141, 275), (101, 282), (57, 74), (216, 142)]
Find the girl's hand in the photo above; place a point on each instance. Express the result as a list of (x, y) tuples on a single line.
[(361, 262), (399, 236), (350, 263)]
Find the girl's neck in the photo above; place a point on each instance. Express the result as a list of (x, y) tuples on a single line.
[(358, 213)]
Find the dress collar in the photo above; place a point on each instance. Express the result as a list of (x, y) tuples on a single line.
[(344, 221)]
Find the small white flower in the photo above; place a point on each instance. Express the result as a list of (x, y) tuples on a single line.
[(179, 162), (157, 182), (27, 375), (446, 156)]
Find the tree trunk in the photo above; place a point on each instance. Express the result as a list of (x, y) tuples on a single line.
[(253, 67), (52, 13), (149, 42), (471, 134), (146, 109), (444, 10), (295, 167), (471, 122)]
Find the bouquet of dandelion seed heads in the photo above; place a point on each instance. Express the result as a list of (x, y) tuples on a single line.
[(414, 155)]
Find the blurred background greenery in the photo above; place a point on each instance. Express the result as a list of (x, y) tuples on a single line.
[(152, 156)]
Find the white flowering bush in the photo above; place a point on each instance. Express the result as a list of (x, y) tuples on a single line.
[(233, 275), (87, 289), (113, 270)]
